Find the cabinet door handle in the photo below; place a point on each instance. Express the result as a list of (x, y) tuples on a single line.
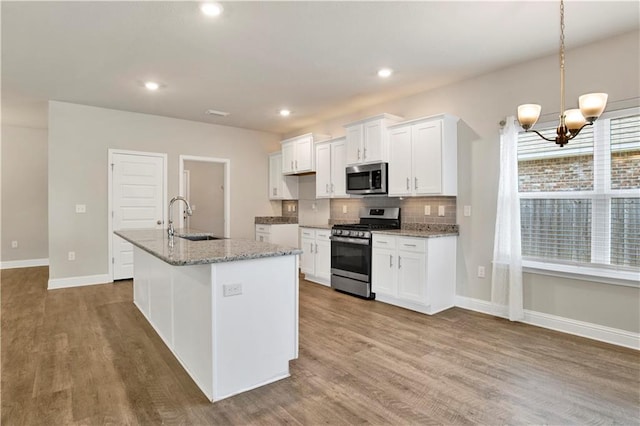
[(261, 238), (332, 188), (415, 181), (275, 191), (316, 247), (364, 153), (390, 261), (409, 245), (310, 247), (327, 188), (291, 164), (407, 184), (358, 153), (383, 242), (399, 262)]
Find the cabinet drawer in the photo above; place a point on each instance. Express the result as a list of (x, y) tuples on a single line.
[(263, 228), (384, 241), (412, 244), (323, 235), (307, 233)]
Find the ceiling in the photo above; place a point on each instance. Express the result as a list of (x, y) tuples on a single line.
[(318, 59)]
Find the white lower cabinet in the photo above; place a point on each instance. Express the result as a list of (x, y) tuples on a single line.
[(284, 234), (414, 273), (315, 260)]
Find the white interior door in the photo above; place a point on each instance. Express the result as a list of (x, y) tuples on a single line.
[(137, 202)]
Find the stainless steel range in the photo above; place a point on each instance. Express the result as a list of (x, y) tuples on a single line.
[(351, 250)]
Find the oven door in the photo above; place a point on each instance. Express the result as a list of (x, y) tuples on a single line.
[(351, 258)]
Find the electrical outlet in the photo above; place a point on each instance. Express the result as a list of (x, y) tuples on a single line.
[(344, 208), (293, 207), (289, 207), (81, 208), (427, 210), (441, 210), (467, 211), (71, 255), (231, 289), (481, 272), (14, 244)]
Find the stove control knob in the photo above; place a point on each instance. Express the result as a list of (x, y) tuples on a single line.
[(361, 234)]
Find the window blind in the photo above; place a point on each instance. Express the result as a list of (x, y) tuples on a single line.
[(581, 203)]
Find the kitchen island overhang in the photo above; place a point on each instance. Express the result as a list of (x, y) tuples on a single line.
[(227, 309)]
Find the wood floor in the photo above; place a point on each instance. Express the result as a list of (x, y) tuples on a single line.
[(87, 356)]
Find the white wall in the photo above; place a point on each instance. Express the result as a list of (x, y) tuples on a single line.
[(24, 194), (610, 66), (79, 139)]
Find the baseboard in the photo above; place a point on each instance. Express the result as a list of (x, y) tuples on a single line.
[(78, 281), (598, 332), (27, 263)]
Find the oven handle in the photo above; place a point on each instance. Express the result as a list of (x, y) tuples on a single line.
[(359, 241)]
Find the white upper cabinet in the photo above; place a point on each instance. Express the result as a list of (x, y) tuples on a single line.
[(281, 187), (298, 154), (423, 157), (367, 140), (330, 169)]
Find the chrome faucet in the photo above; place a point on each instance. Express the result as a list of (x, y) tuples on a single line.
[(170, 229)]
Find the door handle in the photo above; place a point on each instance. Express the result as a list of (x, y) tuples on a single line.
[(316, 247), (390, 261), (291, 164), (415, 182), (399, 262), (310, 247), (296, 164), (364, 153), (159, 222), (358, 153), (332, 188), (407, 183), (327, 188)]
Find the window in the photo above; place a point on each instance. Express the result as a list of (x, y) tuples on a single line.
[(580, 204)]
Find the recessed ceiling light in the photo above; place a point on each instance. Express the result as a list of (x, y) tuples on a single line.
[(215, 112), (285, 112), (151, 85), (385, 72), (211, 9)]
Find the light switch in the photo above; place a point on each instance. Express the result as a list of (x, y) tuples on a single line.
[(344, 208), (81, 208), (467, 211), (441, 210)]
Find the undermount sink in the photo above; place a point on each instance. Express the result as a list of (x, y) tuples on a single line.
[(199, 237)]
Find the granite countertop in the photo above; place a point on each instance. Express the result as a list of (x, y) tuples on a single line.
[(422, 230), (316, 226), (276, 220), (186, 252)]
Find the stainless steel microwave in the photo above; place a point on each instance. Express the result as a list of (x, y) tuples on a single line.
[(368, 179)]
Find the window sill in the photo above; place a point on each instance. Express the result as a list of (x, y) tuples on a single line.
[(626, 278)]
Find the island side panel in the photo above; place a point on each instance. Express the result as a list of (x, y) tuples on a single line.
[(255, 332), (176, 300), (192, 322)]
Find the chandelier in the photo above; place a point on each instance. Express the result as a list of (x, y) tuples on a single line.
[(572, 121)]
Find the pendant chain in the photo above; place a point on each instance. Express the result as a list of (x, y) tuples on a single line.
[(561, 62)]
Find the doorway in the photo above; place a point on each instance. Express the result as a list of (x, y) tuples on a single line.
[(204, 181)]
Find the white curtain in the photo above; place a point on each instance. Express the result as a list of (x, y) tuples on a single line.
[(506, 281)]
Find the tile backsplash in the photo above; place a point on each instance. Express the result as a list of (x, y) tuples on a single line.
[(290, 208), (412, 209)]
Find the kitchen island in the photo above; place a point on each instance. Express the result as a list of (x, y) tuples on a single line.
[(226, 308)]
